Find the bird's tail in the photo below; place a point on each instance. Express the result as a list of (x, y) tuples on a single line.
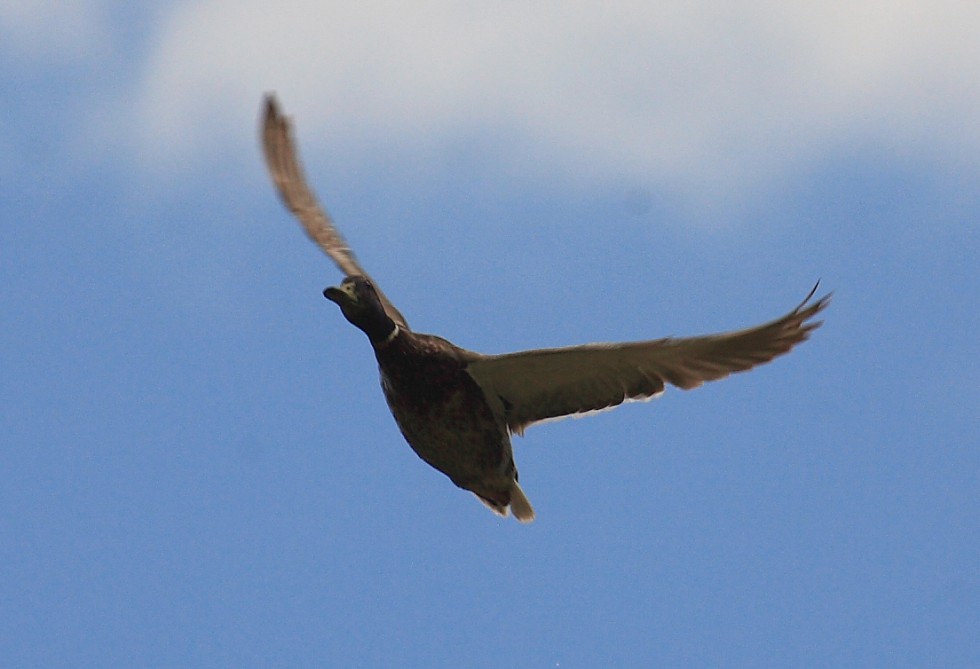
[(519, 504)]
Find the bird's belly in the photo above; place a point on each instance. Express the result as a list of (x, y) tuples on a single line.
[(454, 432)]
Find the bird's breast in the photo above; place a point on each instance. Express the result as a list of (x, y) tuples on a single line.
[(443, 414)]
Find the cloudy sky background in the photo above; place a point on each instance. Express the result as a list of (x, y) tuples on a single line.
[(199, 469)]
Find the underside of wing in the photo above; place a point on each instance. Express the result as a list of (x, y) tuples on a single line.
[(283, 163), (551, 383)]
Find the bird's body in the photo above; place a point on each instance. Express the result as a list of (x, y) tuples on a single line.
[(442, 411), (457, 409), (444, 415)]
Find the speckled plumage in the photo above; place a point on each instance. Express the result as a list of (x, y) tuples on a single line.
[(458, 409), (444, 415)]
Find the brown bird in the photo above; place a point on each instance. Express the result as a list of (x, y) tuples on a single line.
[(458, 409)]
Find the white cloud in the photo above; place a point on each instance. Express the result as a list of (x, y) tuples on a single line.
[(709, 95)]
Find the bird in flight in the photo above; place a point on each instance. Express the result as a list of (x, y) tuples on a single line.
[(457, 409)]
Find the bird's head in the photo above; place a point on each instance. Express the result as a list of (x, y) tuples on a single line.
[(361, 305)]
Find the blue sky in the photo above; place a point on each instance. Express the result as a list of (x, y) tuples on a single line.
[(198, 466)]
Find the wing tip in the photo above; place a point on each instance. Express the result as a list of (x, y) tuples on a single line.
[(271, 103), (272, 116), (801, 316), (817, 306)]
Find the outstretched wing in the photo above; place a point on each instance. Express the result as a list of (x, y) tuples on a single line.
[(282, 160), (551, 383)]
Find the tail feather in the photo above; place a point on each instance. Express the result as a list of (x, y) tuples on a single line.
[(520, 505)]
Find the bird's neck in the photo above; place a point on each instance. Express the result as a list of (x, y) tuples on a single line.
[(382, 331), (390, 337)]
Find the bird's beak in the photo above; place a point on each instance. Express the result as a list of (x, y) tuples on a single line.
[(341, 294)]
